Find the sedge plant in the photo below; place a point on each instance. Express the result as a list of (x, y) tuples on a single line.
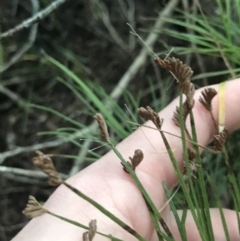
[(193, 178)]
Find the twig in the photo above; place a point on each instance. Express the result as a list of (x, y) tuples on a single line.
[(111, 29), (193, 45), (28, 44), (13, 96), (27, 173), (81, 155), (116, 93), (141, 58), (129, 13), (41, 146), (39, 16), (13, 81)]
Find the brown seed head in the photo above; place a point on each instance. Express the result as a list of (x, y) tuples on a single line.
[(190, 91), (191, 154), (124, 166), (102, 128), (92, 229), (181, 72), (33, 208), (149, 114), (206, 98), (220, 139), (45, 163), (176, 114), (85, 236), (89, 235), (137, 158)]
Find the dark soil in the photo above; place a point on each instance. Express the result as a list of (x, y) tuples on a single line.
[(76, 29)]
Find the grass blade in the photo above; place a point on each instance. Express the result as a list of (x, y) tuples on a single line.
[(106, 212)]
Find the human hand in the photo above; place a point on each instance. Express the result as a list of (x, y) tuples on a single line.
[(106, 182)]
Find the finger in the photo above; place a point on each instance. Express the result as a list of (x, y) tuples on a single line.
[(218, 230)]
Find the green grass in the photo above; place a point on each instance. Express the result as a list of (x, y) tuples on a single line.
[(93, 98), (210, 35)]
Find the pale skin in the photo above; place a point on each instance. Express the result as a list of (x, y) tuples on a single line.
[(107, 183)]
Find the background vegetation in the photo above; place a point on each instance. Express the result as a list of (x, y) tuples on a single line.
[(75, 66)]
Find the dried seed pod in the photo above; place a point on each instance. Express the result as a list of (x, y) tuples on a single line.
[(181, 72), (190, 91), (192, 163), (206, 98), (102, 128), (149, 114), (155, 118), (46, 164), (85, 236), (89, 235), (33, 208), (191, 154), (137, 158), (142, 112), (92, 229), (220, 139), (176, 114), (124, 167)]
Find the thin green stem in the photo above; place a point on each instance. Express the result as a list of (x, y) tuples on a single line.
[(233, 182), (82, 226), (106, 212), (202, 197), (151, 206), (180, 225), (215, 193)]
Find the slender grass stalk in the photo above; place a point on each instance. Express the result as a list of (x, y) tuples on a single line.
[(89, 94), (225, 16), (201, 184), (161, 236), (82, 226), (181, 225), (234, 185), (213, 35), (215, 193), (183, 184), (1, 49), (64, 117), (106, 212), (235, 201), (231, 177), (151, 206), (119, 111), (184, 216), (76, 92), (193, 192)]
